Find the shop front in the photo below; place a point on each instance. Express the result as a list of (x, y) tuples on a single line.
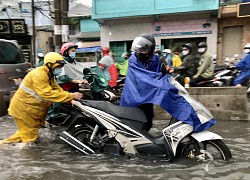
[(16, 29)]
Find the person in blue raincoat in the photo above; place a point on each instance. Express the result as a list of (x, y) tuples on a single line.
[(244, 67), (146, 85)]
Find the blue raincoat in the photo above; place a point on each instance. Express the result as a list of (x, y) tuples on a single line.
[(145, 84), (244, 67)]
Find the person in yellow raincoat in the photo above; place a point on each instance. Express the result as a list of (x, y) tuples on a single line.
[(30, 103)]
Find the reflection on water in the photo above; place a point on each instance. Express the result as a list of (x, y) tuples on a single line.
[(51, 158)]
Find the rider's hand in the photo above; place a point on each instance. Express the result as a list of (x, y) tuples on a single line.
[(77, 95), (171, 70), (84, 81), (80, 81)]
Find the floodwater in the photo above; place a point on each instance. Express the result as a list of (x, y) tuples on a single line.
[(51, 159)]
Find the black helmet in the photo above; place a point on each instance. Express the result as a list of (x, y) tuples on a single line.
[(202, 45), (187, 45), (144, 43)]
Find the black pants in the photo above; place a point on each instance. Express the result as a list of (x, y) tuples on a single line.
[(148, 109)]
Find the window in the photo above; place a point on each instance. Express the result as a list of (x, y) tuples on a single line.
[(10, 54)]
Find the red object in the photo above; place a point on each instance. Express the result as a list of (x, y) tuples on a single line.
[(167, 68), (71, 87), (113, 74), (105, 51)]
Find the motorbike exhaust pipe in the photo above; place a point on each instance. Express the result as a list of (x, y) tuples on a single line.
[(76, 143)]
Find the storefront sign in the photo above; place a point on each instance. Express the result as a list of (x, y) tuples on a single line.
[(4, 26), (12, 26), (18, 26), (182, 27), (183, 33)]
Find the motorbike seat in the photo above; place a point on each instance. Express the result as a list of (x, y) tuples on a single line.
[(131, 113)]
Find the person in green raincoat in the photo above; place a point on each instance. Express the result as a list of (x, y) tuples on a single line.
[(123, 66), (96, 76)]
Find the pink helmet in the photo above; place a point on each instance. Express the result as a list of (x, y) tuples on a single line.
[(66, 47)]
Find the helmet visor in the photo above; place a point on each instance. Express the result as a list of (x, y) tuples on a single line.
[(141, 45), (61, 62)]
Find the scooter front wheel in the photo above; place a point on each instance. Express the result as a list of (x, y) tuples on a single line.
[(206, 150), (215, 150)]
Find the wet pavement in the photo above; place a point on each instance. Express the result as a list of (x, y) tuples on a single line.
[(51, 158)]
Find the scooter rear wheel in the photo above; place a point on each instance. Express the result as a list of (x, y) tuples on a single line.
[(83, 134)]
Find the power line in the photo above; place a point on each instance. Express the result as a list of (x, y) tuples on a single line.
[(44, 14)]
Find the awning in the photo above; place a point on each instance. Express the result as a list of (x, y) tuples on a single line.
[(88, 49), (84, 44)]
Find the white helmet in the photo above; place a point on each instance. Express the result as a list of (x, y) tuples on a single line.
[(167, 51), (40, 55), (247, 48)]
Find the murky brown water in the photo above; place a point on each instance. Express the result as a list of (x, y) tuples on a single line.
[(51, 158)]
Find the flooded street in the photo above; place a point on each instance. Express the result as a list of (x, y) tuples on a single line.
[(51, 158)]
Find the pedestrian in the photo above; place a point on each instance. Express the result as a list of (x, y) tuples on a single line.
[(30, 103), (176, 60), (244, 67), (122, 67), (108, 66), (168, 58), (190, 63), (71, 75), (40, 57), (146, 85), (160, 55), (206, 66)]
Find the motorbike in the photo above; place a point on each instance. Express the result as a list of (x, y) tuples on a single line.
[(225, 75), (96, 89), (104, 127)]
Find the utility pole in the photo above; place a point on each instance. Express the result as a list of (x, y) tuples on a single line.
[(33, 60), (64, 20), (57, 26)]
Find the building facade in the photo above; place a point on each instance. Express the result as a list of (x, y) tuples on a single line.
[(233, 30), (20, 13), (173, 23)]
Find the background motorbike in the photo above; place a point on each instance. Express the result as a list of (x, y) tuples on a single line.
[(225, 74), (103, 127), (96, 89)]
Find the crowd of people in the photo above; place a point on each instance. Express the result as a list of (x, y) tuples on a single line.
[(57, 78)]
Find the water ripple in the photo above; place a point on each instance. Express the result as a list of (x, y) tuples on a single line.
[(51, 158)]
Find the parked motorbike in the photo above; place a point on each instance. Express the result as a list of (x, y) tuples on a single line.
[(103, 127), (225, 74)]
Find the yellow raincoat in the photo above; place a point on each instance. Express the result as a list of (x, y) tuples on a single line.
[(29, 110)]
